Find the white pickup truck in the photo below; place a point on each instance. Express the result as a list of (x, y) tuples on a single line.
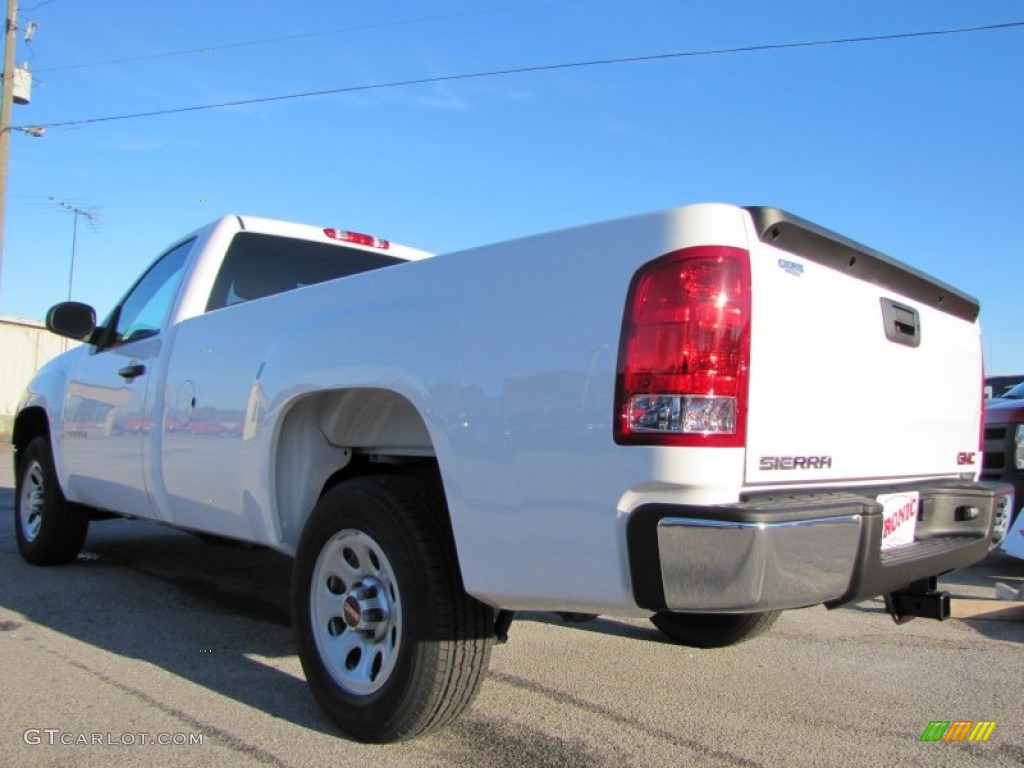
[(703, 416)]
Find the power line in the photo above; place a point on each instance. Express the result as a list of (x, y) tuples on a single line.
[(536, 68), (301, 35), (37, 5)]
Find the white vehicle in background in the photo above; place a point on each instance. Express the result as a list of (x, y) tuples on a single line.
[(703, 416)]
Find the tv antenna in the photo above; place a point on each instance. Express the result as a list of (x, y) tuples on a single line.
[(90, 214)]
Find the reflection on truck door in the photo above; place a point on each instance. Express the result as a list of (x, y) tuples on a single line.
[(106, 421)]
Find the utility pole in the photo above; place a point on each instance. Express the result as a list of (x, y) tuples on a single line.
[(6, 102)]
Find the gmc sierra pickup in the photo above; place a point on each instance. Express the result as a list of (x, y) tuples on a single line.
[(702, 416)]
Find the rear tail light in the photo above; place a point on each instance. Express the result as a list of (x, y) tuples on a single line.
[(685, 350)]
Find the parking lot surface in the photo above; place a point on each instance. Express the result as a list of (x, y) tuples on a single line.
[(155, 636)]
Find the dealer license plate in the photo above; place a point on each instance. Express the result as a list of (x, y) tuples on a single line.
[(899, 518)]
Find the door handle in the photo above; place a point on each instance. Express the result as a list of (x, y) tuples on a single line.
[(131, 371)]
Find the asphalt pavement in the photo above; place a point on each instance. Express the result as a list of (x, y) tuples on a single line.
[(155, 636)]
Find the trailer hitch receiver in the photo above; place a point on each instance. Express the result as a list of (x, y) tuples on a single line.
[(919, 599)]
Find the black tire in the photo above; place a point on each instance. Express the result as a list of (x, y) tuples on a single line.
[(390, 642), (49, 529), (713, 630)]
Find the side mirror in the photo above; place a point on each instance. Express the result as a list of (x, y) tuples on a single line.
[(72, 319)]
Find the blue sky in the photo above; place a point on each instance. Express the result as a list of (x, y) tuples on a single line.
[(911, 146)]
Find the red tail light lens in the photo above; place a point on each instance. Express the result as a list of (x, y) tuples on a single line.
[(685, 350)]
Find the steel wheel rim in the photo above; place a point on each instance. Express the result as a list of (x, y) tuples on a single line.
[(33, 499), (356, 612)]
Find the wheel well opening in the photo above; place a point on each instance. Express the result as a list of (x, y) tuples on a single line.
[(30, 424), (329, 437), (363, 464)]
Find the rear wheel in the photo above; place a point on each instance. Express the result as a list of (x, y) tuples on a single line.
[(713, 630), (391, 644), (48, 528)]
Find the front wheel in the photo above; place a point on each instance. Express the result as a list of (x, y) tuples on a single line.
[(713, 630), (390, 643), (48, 528)]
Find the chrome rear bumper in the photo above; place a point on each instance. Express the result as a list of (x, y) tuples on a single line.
[(715, 565), (790, 550)]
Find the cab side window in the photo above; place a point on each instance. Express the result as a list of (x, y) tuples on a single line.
[(144, 310)]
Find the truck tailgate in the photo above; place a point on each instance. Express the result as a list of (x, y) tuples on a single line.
[(861, 369)]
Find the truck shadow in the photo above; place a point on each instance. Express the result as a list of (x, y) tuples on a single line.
[(217, 617), (602, 625)]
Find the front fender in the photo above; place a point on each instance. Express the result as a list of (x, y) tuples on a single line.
[(41, 408)]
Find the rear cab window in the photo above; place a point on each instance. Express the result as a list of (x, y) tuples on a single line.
[(258, 265)]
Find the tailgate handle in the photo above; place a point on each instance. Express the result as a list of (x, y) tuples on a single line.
[(902, 323)]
